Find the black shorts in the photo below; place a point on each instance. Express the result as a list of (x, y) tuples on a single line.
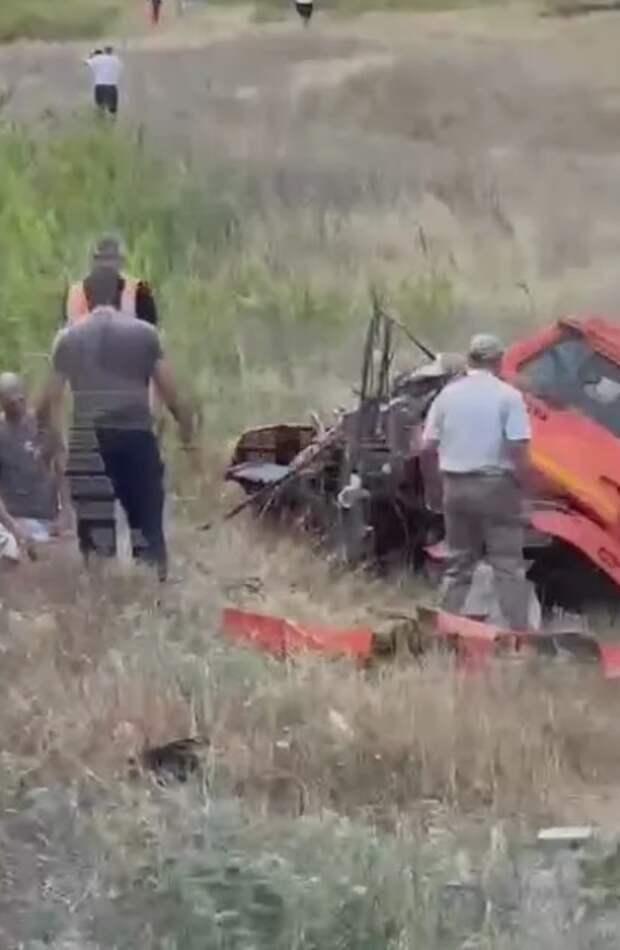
[(106, 98), (304, 10), (123, 464)]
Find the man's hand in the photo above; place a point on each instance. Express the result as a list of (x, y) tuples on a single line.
[(23, 539), (185, 423), (195, 459), (48, 407), (19, 534), (63, 525), (165, 385), (520, 454)]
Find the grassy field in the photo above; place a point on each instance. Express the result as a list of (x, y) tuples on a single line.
[(390, 809), (78, 19), (56, 19), (334, 807)]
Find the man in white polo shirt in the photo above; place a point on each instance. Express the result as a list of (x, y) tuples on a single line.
[(106, 69), (480, 427)]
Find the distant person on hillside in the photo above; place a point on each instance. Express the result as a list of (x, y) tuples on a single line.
[(305, 9), (155, 11), (106, 69), (31, 467), (130, 296)]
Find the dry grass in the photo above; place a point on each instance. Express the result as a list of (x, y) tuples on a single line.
[(335, 802), (103, 672)]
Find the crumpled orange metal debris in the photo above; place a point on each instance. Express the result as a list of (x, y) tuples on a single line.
[(282, 637), (473, 642)]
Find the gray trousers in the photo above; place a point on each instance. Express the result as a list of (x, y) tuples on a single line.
[(483, 519)]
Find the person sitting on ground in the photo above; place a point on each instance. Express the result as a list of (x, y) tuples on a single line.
[(130, 296), (31, 480)]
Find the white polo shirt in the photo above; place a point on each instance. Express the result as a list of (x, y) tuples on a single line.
[(106, 69), (473, 420)]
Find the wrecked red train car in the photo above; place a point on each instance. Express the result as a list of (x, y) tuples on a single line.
[(365, 491)]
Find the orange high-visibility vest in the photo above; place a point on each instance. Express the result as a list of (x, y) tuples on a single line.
[(77, 305)]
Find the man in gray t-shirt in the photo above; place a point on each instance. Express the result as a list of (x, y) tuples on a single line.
[(109, 360)]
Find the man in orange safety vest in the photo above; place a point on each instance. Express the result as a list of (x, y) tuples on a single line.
[(132, 297)]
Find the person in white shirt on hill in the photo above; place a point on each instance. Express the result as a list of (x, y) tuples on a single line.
[(106, 69), (305, 9)]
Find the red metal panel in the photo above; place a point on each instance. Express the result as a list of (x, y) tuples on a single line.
[(282, 637), (610, 660), (584, 534)]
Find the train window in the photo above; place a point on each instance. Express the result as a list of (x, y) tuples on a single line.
[(573, 375)]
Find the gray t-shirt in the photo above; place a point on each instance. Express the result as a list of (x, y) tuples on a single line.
[(108, 359), (27, 486)]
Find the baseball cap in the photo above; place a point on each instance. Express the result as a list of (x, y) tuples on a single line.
[(108, 249), (486, 346), (444, 364)]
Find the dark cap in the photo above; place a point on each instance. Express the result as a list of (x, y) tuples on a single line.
[(108, 251)]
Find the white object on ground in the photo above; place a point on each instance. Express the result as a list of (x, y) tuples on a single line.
[(565, 835), (339, 723), (246, 93), (482, 600), (352, 492), (123, 535), (36, 530), (9, 548)]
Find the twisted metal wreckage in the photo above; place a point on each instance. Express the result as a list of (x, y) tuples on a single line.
[(367, 492)]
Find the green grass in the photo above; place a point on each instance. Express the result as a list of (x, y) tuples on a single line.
[(58, 192), (56, 19), (237, 316)]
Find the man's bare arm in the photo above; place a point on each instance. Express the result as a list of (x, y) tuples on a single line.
[(63, 489), (520, 455), (166, 388), (49, 403)]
